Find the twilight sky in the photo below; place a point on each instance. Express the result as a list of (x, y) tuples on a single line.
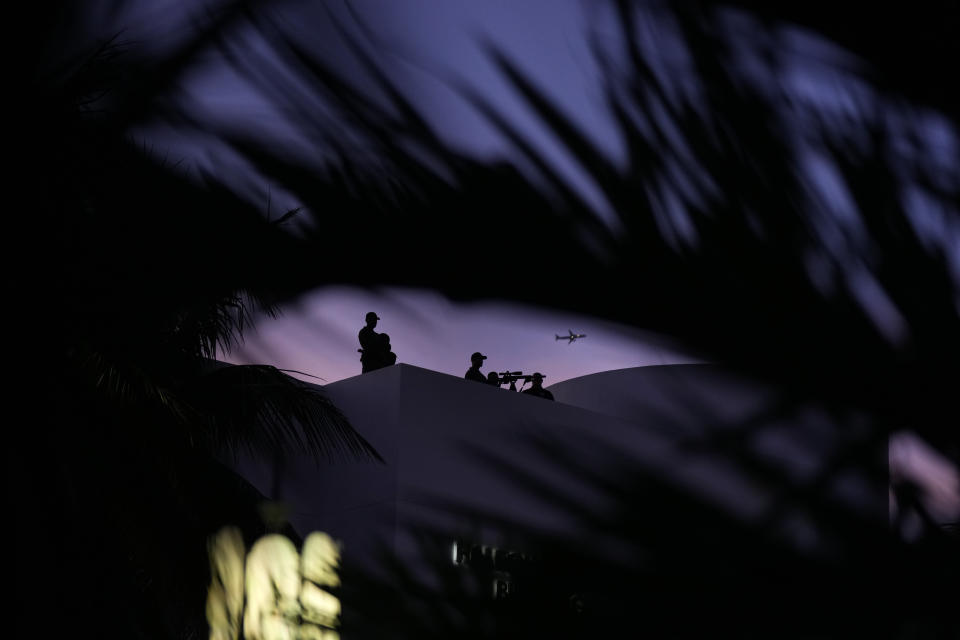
[(423, 45), (318, 336)]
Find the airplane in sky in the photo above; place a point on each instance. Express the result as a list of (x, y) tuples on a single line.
[(573, 336)]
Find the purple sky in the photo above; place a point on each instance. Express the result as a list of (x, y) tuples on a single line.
[(423, 43), (318, 336)]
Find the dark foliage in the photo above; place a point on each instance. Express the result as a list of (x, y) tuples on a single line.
[(722, 239), (134, 273)]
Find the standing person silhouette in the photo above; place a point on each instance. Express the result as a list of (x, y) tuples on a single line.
[(537, 388), (371, 345), (473, 373)]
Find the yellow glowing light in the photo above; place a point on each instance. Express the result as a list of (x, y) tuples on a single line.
[(321, 559), (319, 607), (225, 598), (285, 598), (273, 588)]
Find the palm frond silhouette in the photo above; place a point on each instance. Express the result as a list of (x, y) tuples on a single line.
[(145, 272), (725, 236)]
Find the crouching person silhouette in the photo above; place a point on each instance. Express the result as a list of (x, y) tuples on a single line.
[(537, 388), (374, 348), (387, 357)]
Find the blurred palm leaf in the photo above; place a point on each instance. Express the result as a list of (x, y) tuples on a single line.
[(748, 226), (722, 236), (145, 271)]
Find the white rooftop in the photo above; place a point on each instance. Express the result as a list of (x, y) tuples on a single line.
[(472, 447)]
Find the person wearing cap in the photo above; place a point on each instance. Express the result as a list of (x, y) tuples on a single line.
[(473, 373), (371, 345), (537, 387)]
